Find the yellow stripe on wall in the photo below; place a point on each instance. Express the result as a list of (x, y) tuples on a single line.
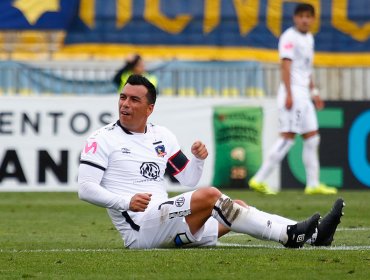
[(107, 51)]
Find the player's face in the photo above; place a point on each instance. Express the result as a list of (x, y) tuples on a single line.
[(134, 108), (303, 21)]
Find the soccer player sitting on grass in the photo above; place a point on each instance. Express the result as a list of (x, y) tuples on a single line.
[(122, 168)]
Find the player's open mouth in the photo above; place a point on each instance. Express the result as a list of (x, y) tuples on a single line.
[(125, 113)]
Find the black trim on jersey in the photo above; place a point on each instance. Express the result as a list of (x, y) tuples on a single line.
[(170, 202), (126, 130), (92, 164), (130, 221), (222, 216), (177, 163)]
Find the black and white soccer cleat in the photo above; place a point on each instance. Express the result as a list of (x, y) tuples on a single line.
[(328, 225), (299, 233)]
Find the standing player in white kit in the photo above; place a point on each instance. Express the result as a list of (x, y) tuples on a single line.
[(297, 114)]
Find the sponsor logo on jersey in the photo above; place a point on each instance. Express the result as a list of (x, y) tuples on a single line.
[(150, 170), (111, 127), (125, 151), (269, 223), (288, 46), (91, 146), (183, 213), (161, 151), (180, 201)]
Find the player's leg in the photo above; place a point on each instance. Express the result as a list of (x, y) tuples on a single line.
[(310, 157), (208, 202), (276, 154), (310, 153), (164, 225), (324, 233), (222, 230), (275, 218), (288, 125)]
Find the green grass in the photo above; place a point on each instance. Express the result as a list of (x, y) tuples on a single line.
[(45, 236)]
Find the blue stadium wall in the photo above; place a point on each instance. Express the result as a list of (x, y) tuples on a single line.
[(197, 29)]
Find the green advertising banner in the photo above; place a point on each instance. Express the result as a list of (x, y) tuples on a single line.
[(238, 140)]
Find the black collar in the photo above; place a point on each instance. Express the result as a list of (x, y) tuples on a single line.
[(126, 130)]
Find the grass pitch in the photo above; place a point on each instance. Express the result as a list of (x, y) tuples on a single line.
[(56, 236)]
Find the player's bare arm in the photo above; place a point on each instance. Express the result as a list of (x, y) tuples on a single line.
[(315, 95), (285, 75)]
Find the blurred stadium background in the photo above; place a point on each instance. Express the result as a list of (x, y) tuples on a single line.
[(217, 68)]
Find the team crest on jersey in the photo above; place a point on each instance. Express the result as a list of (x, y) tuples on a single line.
[(161, 151)]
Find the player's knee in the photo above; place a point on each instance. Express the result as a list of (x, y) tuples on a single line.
[(279, 154), (288, 135), (241, 202), (213, 193), (312, 141), (207, 196), (311, 134)]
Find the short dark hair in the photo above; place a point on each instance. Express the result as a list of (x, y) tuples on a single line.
[(304, 7), (139, 80), (131, 63)]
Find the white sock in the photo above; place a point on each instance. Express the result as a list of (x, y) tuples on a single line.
[(248, 220), (286, 221), (276, 154), (278, 219), (311, 163)]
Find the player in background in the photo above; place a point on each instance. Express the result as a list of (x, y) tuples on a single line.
[(297, 114), (134, 64), (122, 168)]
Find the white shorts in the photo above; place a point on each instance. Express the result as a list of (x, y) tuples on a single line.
[(163, 226), (301, 118)]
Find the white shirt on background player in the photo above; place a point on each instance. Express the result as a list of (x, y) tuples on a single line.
[(298, 47)]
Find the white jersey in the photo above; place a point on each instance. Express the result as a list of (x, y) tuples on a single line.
[(132, 163), (299, 47), (116, 164)]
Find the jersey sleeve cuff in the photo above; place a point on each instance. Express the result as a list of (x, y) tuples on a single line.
[(93, 164)]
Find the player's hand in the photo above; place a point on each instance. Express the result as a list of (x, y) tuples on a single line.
[(199, 150), (289, 102), (319, 103), (139, 202)]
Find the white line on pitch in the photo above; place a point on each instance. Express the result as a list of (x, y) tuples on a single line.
[(339, 229), (354, 229), (59, 250), (333, 248)]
